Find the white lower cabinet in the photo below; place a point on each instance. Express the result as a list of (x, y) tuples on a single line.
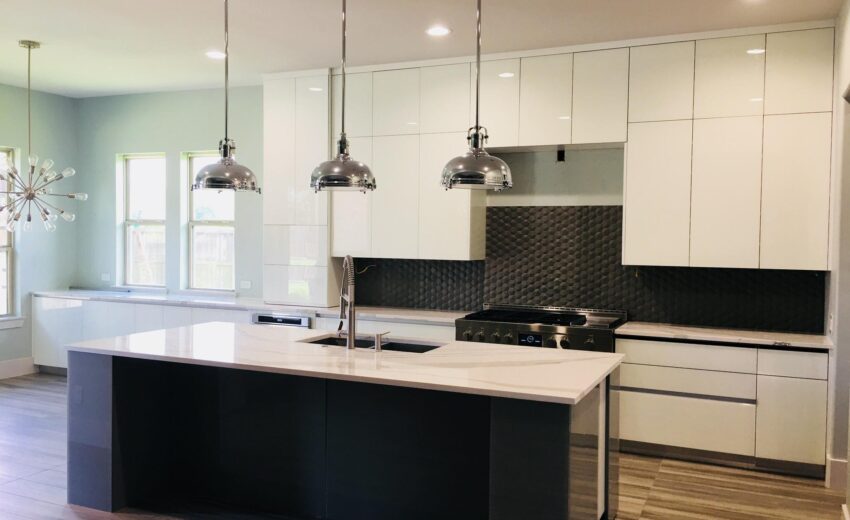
[(56, 322), (396, 330), (702, 424), (107, 319), (791, 419), (202, 315)]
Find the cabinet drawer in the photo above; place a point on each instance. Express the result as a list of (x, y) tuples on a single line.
[(688, 355), (689, 381), (791, 422), (685, 422), (809, 365)]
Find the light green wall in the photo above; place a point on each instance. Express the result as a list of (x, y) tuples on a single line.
[(42, 261), (170, 123)]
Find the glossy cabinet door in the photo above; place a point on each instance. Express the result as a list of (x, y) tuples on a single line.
[(661, 82), (657, 197), (444, 98), (729, 77), (358, 105), (107, 319), (791, 419), (204, 315), (351, 211), (395, 102), (311, 148), (799, 72), (149, 317), (279, 152), (600, 96), (395, 204), (56, 322), (451, 222), (726, 192), (795, 191), (546, 99), (499, 101)]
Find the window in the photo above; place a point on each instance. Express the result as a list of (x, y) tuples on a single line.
[(7, 159), (144, 220), (211, 232)]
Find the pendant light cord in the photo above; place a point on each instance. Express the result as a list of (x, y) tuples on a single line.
[(29, 100), (226, 70), (344, 29), (477, 69)]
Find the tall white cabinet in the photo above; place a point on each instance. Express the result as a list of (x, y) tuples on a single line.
[(758, 168), (296, 235)]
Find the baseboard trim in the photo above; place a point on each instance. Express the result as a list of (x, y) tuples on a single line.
[(17, 367), (845, 511), (836, 473)]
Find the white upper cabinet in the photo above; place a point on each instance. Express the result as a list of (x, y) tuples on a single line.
[(311, 148), (795, 191), (726, 192), (444, 98), (729, 77), (799, 72), (279, 158), (657, 194), (451, 222), (546, 99), (395, 102), (600, 96), (358, 105), (661, 82), (395, 203), (499, 101), (351, 211)]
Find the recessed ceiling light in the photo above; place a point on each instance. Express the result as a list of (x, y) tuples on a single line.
[(506, 75), (438, 30), (563, 117), (315, 89), (216, 55), (756, 99), (755, 51)]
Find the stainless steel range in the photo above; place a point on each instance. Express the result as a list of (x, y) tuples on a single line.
[(547, 327)]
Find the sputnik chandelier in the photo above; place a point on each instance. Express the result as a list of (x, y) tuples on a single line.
[(25, 196)]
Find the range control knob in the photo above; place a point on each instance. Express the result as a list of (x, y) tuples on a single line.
[(480, 336), (467, 335), (508, 338), (496, 337), (550, 343), (565, 343)]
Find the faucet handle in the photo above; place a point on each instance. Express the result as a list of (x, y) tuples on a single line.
[(379, 340)]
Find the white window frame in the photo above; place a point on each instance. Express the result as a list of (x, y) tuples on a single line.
[(8, 249), (126, 158), (190, 157)]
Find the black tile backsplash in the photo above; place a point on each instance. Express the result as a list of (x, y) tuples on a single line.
[(570, 256)]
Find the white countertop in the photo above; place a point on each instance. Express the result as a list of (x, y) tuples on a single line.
[(364, 312), (550, 375), (752, 337)]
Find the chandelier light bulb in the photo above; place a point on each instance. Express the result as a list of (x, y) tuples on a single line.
[(49, 226), (46, 165), (68, 172), (68, 217), (12, 225), (33, 160), (28, 224), (79, 196)]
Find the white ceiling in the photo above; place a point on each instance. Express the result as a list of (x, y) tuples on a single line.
[(100, 47)]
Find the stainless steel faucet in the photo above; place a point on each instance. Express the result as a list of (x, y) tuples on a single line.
[(347, 309)]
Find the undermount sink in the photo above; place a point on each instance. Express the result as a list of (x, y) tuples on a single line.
[(396, 346)]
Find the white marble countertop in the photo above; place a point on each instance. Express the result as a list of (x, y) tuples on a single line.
[(752, 337), (364, 312), (550, 375)]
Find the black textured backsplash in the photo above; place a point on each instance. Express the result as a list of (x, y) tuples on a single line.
[(570, 256)]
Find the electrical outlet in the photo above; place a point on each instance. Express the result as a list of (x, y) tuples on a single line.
[(104, 277), (245, 284)]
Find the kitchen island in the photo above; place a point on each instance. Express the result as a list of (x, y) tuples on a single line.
[(257, 419)]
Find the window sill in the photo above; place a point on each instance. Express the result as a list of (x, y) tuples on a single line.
[(139, 289), (11, 322)]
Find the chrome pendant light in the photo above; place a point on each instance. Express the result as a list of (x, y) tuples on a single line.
[(342, 173), (226, 174), (477, 169), (31, 193)]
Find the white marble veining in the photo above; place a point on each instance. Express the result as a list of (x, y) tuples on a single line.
[(364, 312), (550, 375), (753, 337)]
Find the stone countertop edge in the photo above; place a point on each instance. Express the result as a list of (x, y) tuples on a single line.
[(776, 340)]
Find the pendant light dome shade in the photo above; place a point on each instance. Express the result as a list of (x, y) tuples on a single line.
[(342, 174), (226, 174), (477, 169)]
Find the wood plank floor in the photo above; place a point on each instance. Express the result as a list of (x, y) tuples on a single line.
[(33, 474)]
